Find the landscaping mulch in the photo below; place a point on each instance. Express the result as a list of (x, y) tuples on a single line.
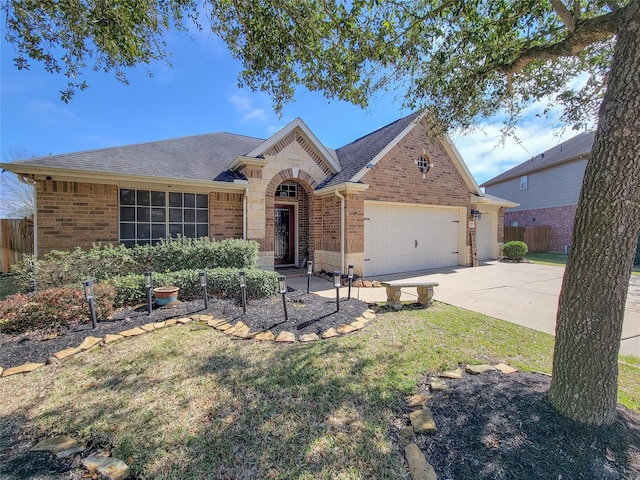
[(496, 426), (307, 313)]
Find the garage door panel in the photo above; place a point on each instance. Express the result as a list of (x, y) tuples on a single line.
[(399, 238)]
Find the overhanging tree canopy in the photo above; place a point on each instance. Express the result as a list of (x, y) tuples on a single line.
[(459, 59)]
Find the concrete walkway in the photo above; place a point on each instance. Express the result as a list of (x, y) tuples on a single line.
[(521, 293)]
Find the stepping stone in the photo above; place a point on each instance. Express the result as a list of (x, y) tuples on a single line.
[(223, 326), (132, 332), (309, 337), (376, 283), (453, 374), (367, 284), (369, 314), (67, 352), (357, 284), (1, 370), (233, 329), (357, 325), (265, 336), (215, 322), (344, 329), (363, 320), (183, 320), (111, 468), (203, 318), (504, 368), (24, 368), (241, 331), (61, 446), (330, 333), (407, 432), (438, 385), (478, 369), (418, 466), (417, 401), (148, 327), (89, 342), (422, 421), (285, 337), (157, 325), (169, 323), (109, 338)]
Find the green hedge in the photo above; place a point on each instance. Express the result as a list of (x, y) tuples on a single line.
[(52, 309), (221, 282), (515, 250), (102, 262)]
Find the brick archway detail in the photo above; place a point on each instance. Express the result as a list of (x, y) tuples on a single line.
[(308, 184)]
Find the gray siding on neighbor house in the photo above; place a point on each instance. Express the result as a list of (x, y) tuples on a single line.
[(558, 186)]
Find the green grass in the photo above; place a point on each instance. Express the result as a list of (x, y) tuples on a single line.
[(561, 259), (190, 403)]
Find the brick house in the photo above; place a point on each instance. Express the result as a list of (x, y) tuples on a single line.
[(394, 200), (547, 188)]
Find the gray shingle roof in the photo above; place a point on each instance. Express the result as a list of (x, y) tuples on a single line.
[(357, 154), (575, 147), (200, 157)]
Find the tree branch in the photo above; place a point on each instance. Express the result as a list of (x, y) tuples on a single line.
[(588, 32), (565, 15)]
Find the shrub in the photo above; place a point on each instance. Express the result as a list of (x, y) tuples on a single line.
[(222, 282), (52, 309), (515, 250), (102, 262)]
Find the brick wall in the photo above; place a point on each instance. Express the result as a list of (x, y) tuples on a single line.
[(225, 215), (560, 220), (74, 214)]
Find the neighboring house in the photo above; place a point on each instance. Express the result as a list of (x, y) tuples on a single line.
[(394, 200), (547, 188)]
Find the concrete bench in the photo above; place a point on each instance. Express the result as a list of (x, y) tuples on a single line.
[(394, 290)]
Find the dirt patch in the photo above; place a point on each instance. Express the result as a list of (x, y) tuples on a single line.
[(307, 313), (496, 426)]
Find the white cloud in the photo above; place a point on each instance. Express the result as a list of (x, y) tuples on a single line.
[(244, 105)]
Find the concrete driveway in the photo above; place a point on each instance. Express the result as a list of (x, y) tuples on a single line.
[(521, 293)]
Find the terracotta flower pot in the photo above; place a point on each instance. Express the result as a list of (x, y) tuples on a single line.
[(165, 295)]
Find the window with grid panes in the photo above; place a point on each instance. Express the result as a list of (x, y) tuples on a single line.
[(146, 216)]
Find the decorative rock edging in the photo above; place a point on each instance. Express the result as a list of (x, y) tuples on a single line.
[(239, 330), (421, 418)]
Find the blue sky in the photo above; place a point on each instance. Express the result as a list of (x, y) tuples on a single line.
[(199, 94)]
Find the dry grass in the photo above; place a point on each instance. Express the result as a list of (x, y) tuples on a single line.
[(191, 403)]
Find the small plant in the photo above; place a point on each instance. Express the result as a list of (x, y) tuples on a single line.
[(515, 250), (52, 309)]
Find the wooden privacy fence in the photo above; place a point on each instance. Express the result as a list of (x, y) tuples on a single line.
[(16, 239), (536, 237)]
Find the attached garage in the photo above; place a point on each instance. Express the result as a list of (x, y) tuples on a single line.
[(401, 238)]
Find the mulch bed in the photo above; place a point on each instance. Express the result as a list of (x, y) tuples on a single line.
[(307, 313), (496, 426)]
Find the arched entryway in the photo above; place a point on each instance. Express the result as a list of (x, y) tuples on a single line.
[(289, 202)]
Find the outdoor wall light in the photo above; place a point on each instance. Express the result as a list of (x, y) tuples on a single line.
[(336, 283), (350, 270), (309, 273), (243, 287), (476, 214), (202, 276), (148, 285), (282, 282), (90, 297)]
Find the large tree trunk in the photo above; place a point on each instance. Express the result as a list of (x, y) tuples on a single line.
[(594, 290)]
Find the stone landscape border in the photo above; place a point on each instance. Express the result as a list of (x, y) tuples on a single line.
[(239, 330)]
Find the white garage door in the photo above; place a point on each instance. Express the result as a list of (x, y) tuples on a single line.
[(405, 239), (483, 237)]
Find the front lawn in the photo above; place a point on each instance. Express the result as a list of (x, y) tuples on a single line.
[(561, 259), (189, 402)]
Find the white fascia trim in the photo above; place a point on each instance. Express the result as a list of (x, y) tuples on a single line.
[(498, 202), (64, 174), (284, 131), (248, 161), (346, 187), (358, 176)]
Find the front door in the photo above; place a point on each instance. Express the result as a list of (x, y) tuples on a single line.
[(285, 248)]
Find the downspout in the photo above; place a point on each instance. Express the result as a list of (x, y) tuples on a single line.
[(244, 214), (32, 184), (341, 197)]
